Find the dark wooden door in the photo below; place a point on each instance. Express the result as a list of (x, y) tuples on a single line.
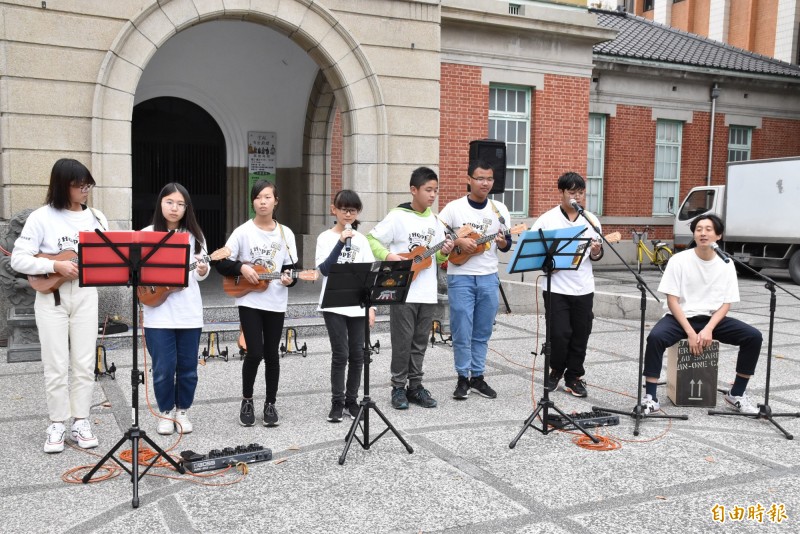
[(175, 140)]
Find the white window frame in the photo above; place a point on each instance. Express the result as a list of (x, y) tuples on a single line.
[(517, 168), (667, 172), (740, 149), (594, 182)]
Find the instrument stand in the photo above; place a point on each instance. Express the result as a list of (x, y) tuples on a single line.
[(764, 410), (105, 263), (363, 284), (638, 411), (101, 367), (548, 248)]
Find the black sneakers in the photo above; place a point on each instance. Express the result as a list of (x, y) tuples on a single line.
[(247, 413), (479, 385), (462, 388), (351, 408), (270, 414), (336, 413), (399, 399), (577, 387), (552, 380), (421, 396)]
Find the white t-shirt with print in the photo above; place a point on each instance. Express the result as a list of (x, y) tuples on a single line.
[(359, 253), (485, 221), (702, 287)]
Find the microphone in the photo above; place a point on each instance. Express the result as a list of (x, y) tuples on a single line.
[(347, 240), (720, 253), (577, 207)]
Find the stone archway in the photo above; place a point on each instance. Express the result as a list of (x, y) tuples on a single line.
[(333, 48)]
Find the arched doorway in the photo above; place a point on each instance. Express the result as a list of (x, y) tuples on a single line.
[(174, 140)]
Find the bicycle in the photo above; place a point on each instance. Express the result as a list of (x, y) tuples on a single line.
[(660, 254)]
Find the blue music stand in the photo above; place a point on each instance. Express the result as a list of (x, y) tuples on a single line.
[(548, 251)]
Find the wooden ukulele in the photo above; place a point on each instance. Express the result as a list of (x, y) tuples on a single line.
[(156, 295), (422, 255), (459, 257), (47, 283), (238, 286)]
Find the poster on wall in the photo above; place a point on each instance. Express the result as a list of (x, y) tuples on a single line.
[(261, 160)]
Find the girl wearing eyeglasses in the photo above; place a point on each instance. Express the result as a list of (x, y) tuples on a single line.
[(172, 328), (66, 314), (343, 244)]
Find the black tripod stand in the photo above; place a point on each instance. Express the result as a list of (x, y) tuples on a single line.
[(538, 251), (637, 413), (106, 263), (764, 410), (351, 284)]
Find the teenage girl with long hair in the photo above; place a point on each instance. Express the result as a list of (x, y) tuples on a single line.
[(67, 317), (261, 241), (172, 329)]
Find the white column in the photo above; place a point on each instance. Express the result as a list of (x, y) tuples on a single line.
[(718, 20), (786, 30), (662, 12)]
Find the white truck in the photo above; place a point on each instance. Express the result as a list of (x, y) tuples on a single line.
[(760, 205)]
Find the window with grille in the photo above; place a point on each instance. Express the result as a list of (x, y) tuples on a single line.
[(510, 121), (739, 143), (648, 5), (668, 165), (595, 163)]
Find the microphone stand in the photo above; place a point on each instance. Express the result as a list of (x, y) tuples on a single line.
[(764, 410), (638, 411)]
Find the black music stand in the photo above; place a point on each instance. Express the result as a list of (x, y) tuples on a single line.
[(764, 410), (548, 250), (362, 284), (131, 259)]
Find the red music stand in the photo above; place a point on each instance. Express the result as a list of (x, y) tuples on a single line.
[(131, 259)]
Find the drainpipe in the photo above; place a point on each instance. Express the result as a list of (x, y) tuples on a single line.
[(714, 94)]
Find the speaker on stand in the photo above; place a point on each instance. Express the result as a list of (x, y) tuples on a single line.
[(492, 152)]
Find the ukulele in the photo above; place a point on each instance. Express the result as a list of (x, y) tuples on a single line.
[(422, 256), (156, 295), (47, 283), (459, 257), (238, 286)]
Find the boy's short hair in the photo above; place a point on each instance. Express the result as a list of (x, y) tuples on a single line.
[(571, 180), (719, 226), (421, 176), (479, 164)]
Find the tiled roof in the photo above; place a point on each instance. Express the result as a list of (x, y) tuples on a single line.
[(643, 39)]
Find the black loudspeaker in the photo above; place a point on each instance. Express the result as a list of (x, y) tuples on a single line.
[(493, 152)]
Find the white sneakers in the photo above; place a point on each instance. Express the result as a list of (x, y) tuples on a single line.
[(649, 405), (166, 425), (82, 434), (184, 425), (741, 404), (55, 438), (173, 419)]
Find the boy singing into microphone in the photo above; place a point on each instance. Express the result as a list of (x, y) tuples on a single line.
[(700, 289), (569, 311), (405, 228)]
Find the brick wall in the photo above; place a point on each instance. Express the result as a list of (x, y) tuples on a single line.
[(740, 25), (464, 117), (336, 155), (560, 136), (765, 19), (630, 152), (777, 138)]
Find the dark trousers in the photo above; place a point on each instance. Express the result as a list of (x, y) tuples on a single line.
[(410, 329), (347, 346), (668, 331), (570, 318), (262, 333)]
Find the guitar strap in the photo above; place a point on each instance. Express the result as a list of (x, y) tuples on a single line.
[(449, 229), (94, 212), (288, 249), (500, 218)]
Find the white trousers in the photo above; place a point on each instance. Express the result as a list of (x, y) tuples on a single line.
[(68, 335)]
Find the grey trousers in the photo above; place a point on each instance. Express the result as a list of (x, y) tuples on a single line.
[(411, 328)]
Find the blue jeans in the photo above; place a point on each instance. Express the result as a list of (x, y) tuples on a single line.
[(174, 361), (473, 305)]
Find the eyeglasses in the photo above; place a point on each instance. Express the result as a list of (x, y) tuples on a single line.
[(578, 193), (348, 211), (170, 204), (85, 188), (483, 180)]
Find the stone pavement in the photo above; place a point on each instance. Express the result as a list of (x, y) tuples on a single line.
[(462, 476)]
